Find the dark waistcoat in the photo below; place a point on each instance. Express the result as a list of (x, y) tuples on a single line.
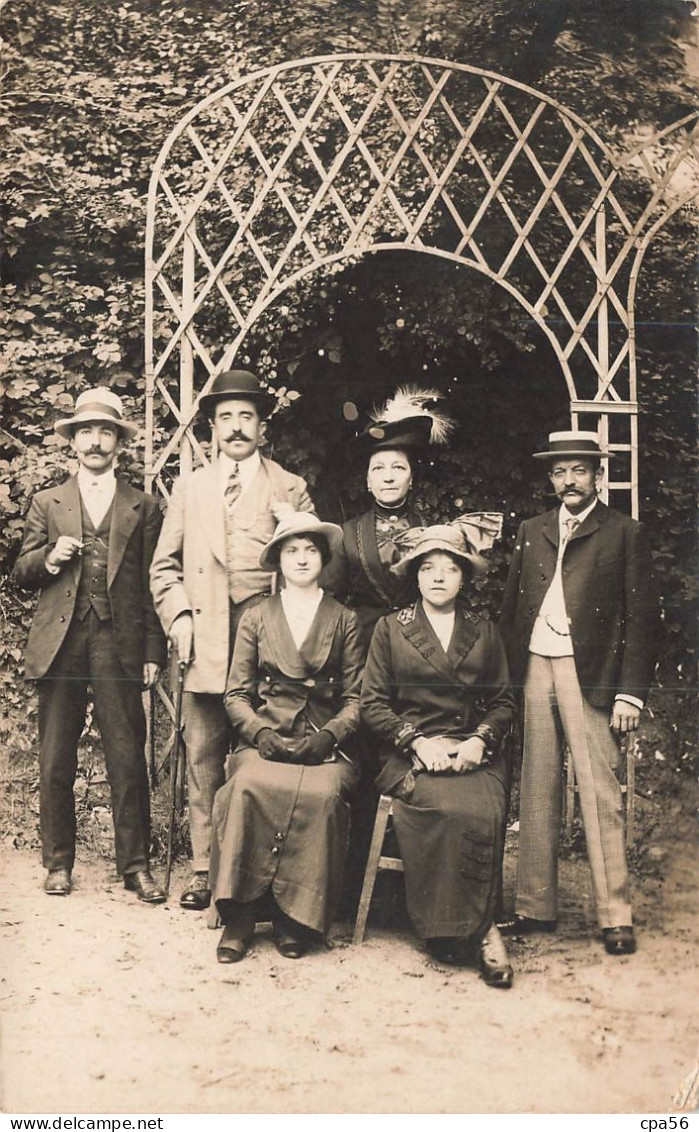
[(92, 586)]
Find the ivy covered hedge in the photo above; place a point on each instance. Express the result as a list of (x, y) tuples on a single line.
[(91, 91)]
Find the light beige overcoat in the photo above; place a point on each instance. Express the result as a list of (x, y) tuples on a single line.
[(189, 572)]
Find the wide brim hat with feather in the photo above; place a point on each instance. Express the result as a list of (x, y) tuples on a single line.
[(464, 538), (409, 419)]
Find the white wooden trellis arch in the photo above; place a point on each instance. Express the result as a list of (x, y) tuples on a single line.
[(305, 165)]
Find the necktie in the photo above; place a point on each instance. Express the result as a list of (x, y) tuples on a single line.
[(571, 525), (233, 487)]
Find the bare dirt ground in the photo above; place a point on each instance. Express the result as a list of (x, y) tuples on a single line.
[(112, 1006)]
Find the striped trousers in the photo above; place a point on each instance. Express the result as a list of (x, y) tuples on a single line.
[(556, 711)]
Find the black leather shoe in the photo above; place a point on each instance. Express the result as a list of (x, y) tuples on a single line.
[(197, 895), (496, 970), (525, 925), (58, 882), (144, 886), (291, 938), (233, 944), (619, 941), (454, 951)]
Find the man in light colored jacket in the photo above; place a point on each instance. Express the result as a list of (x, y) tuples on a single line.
[(205, 573)]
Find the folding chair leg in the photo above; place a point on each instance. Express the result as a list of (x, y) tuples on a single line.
[(372, 868)]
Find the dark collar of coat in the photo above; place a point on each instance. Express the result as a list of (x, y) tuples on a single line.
[(125, 517), (313, 654), (597, 517), (385, 585), (418, 631)]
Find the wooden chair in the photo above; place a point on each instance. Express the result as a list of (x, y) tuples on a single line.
[(375, 861)]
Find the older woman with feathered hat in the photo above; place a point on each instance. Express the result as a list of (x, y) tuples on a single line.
[(436, 693)]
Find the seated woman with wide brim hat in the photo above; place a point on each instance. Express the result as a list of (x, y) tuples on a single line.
[(436, 693), (281, 821)]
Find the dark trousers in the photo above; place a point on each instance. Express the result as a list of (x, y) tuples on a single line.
[(89, 656)]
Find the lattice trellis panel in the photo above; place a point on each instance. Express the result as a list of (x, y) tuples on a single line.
[(310, 163)]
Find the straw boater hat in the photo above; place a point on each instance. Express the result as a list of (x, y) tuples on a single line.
[(237, 383), (573, 444), (463, 537), (406, 421), (300, 523), (96, 405)]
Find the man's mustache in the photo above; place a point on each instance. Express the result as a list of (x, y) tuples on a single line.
[(237, 436)]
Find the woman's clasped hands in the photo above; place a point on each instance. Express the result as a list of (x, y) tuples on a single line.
[(440, 755)]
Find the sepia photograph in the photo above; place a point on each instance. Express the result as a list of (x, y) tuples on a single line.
[(348, 559)]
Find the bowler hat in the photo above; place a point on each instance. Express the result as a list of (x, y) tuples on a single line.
[(96, 405), (573, 443), (300, 523), (236, 383)]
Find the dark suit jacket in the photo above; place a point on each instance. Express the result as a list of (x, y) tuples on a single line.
[(272, 683), (132, 538), (356, 575), (409, 678), (610, 597)]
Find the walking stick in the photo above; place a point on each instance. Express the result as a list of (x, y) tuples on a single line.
[(152, 768), (176, 763)]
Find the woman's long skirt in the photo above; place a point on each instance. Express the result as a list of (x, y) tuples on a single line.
[(284, 827), (451, 838)]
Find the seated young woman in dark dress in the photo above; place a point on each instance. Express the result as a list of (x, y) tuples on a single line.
[(281, 821), (436, 692)]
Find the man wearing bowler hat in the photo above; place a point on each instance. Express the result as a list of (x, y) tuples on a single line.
[(205, 573), (581, 625), (87, 548)]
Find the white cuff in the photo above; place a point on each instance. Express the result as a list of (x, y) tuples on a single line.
[(629, 700)]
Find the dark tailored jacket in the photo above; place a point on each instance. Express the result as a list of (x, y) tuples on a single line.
[(610, 595), (409, 678), (133, 534), (272, 683), (356, 575)]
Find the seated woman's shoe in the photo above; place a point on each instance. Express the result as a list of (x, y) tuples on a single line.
[(449, 949), (619, 941), (291, 938), (197, 895), (233, 944), (496, 970)]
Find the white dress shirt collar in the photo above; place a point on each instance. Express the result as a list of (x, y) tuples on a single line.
[(564, 514), (97, 492), (247, 469)]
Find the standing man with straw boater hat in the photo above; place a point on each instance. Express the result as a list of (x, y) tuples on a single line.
[(581, 624), (206, 573), (87, 547)]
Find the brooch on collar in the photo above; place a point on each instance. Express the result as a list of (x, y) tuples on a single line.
[(469, 615), (407, 615)]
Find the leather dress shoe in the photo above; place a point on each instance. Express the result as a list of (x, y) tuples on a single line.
[(454, 951), (58, 882), (233, 944), (619, 941), (496, 970), (525, 925), (197, 896), (142, 883), (291, 938)]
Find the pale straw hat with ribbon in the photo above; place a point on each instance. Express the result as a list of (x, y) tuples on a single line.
[(573, 443), (96, 405)]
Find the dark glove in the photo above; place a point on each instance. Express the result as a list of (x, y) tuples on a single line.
[(314, 749), (271, 746)]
